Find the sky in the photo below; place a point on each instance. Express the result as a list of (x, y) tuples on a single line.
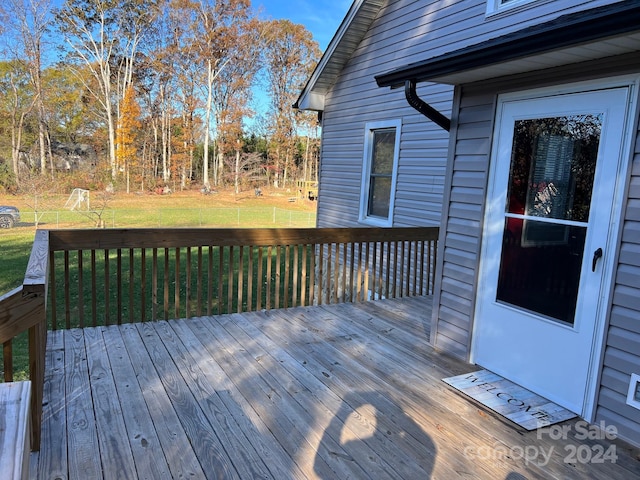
[(321, 17)]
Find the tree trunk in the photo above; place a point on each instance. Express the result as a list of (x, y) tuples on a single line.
[(41, 122), (237, 173), (164, 135), (306, 160), (207, 124)]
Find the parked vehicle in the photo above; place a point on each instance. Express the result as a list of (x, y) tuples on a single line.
[(9, 216)]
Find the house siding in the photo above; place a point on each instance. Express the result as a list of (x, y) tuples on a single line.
[(355, 100), (462, 224), (466, 181), (622, 350), (406, 31)]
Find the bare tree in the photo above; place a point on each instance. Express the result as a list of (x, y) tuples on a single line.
[(105, 35), (290, 55), (29, 20), (219, 27)]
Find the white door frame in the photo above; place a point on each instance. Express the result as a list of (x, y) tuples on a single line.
[(615, 230)]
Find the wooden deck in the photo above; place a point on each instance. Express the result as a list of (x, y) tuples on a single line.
[(333, 392)]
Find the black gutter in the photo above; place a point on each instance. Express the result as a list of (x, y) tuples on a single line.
[(423, 107), (565, 31)]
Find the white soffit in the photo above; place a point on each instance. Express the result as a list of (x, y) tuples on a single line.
[(349, 35), (554, 58)]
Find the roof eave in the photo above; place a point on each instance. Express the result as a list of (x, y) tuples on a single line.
[(565, 31), (309, 98)]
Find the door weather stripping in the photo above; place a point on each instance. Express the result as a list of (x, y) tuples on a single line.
[(423, 107)]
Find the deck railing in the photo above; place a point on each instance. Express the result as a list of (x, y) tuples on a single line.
[(24, 310), (114, 276)]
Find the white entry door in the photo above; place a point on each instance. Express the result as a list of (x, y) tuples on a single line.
[(547, 240)]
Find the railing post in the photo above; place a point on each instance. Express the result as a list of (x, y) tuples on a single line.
[(35, 288)]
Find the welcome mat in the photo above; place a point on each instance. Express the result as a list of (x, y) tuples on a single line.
[(504, 397)]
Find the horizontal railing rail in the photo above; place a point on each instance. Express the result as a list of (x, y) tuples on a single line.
[(103, 277)]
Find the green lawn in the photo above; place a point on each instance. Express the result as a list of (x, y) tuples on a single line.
[(195, 211), (15, 246)]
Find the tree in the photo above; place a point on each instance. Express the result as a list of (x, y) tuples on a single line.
[(29, 20), (219, 30), (176, 102), (70, 112), (17, 102), (232, 95), (104, 35), (309, 125), (289, 58), (126, 133)]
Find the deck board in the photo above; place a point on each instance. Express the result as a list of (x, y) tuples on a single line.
[(337, 391), (116, 456), (140, 431), (53, 431), (81, 428), (178, 452)]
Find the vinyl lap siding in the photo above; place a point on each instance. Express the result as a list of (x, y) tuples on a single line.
[(622, 353), (354, 100), (404, 32), (467, 177)]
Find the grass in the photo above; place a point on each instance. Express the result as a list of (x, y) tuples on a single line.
[(15, 246), (188, 209), (134, 301)]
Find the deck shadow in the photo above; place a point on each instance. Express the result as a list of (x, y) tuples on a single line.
[(373, 432)]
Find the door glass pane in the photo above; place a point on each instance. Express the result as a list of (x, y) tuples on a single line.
[(540, 267), (552, 166), (553, 163)]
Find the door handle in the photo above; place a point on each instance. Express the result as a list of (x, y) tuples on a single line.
[(596, 256)]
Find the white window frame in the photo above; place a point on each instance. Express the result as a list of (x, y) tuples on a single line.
[(370, 127), (496, 6), (632, 396)]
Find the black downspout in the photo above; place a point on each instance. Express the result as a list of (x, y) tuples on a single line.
[(423, 107)]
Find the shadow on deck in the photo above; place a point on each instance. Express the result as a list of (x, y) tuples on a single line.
[(329, 392)]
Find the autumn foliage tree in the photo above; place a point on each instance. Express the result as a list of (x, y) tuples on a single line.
[(289, 59), (104, 36), (159, 92), (126, 137)]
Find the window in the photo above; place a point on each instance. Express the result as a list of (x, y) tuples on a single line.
[(381, 151)]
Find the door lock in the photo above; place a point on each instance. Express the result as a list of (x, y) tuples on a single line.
[(596, 256)]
